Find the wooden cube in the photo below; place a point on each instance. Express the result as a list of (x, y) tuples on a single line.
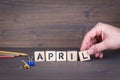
[(84, 56), (72, 56), (50, 55), (39, 56), (61, 55)]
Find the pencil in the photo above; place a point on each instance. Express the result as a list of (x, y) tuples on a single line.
[(13, 53), (7, 56), (3, 54)]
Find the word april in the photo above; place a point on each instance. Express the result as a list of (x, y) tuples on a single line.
[(61, 56)]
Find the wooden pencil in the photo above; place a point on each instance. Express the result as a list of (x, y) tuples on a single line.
[(3, 54), (7, 56), (13, 53)]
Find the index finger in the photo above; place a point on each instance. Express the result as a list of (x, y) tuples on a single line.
[(87, 41)]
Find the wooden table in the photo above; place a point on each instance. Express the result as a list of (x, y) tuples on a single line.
[(107, 68), (53, 23), (56, 23)]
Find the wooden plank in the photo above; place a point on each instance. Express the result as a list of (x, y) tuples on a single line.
[(107, 68), (40, 23)]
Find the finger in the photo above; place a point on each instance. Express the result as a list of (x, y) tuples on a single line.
[(97, 48), (89, 36), (101, 55), (97, 55), (87, 41), (92, 42)]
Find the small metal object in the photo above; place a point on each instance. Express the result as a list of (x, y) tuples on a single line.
[(26, 66)]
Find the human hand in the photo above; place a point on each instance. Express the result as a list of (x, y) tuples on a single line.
[(101, 37)]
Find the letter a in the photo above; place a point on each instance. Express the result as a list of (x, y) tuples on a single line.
[(39, 56)]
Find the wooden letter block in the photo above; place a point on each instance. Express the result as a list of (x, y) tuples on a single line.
[(72, 56), (61, 55), (84, 56), (50, 56), (39, 56)]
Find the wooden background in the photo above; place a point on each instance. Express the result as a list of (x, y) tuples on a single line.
[(53, 23)]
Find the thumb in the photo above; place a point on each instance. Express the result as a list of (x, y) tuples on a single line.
[(96, 48)]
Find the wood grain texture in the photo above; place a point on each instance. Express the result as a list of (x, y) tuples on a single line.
[(107, 68), (52, 23)]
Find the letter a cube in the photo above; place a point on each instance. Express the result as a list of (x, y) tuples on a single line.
[(39, 56)]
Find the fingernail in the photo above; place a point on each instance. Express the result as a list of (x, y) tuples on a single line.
[(90, 52)]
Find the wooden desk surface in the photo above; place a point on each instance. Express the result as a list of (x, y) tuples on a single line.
[(55, 23), (107, 68)]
